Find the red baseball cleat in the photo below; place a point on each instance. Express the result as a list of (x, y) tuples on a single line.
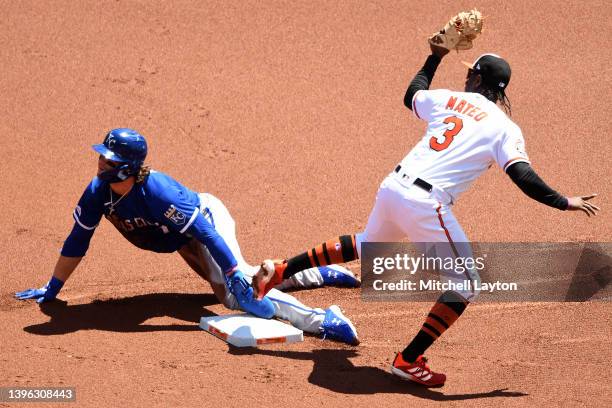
[(418, 372), (269, 275)]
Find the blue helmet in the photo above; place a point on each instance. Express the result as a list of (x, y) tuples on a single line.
[(124, 146)]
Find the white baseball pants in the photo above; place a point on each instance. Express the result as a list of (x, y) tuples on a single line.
[(286, 306), (405, 210)]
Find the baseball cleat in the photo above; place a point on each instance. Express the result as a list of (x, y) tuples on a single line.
[(336, 275), (269, 274), (338, 327), (417, 372)]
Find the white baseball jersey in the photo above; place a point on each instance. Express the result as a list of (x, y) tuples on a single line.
[(466, 133)]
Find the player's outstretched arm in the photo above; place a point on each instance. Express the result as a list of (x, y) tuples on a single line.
[(63, 269), (235, 279), (74, 249), (422, 80), (523, 175)]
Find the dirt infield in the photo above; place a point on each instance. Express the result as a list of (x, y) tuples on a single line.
[(292, 114)]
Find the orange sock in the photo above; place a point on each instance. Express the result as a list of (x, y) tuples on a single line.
[(338, 250), (442, 315)]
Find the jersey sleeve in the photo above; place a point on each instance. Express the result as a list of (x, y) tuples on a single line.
[(424, 102), (178, 210), (511, 148), (87, 215), (204, 232)]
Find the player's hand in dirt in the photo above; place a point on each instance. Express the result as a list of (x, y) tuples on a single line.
[(581, 203), (44, 294), (38, 294)]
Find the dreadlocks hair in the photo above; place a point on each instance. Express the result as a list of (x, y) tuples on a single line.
[(498, 95), (505, 102), (143, 173)]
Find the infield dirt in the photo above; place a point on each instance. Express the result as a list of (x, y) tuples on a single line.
[(292, 114)]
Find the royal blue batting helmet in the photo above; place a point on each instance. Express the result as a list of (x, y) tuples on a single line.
[(124, 146)]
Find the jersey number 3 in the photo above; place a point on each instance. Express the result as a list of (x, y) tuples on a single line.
[(449, 134)]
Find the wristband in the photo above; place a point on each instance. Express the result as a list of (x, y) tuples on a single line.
[(231, 271), (53, 287)]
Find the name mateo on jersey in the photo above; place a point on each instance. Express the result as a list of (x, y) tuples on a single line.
[(465, 108)]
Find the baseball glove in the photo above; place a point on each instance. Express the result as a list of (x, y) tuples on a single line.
[(459, 32)]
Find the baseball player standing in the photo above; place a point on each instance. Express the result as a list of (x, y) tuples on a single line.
[(466, 133), (157, 213)]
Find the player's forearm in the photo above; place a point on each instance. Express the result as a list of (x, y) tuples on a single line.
[(422, 79), (63, 269), (65, 266), (534, 187), (204, 232)]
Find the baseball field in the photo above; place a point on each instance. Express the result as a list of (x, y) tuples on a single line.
[(292, 113)]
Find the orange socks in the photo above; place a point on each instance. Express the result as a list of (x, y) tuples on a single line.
[(338, 250), (442, 315)]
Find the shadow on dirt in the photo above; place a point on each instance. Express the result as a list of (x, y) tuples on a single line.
[(125, 314), (334, 371)]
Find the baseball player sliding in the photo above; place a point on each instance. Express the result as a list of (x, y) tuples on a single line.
[(157, 213), (466, 133)]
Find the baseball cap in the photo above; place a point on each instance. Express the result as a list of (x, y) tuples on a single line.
[(495, 70)]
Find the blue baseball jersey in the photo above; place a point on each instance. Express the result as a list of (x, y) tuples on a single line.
[(159, 214)]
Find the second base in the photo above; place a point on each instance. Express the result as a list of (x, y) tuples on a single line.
[(244, 330)]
